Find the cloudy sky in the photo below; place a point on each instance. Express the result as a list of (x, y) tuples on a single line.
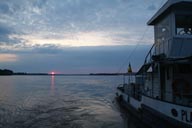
[(75, 36)]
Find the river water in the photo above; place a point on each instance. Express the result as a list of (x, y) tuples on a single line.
[(60, 102)]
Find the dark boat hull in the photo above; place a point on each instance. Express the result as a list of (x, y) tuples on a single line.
[(150, 117)]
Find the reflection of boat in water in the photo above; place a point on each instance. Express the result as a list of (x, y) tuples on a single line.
[(162, 92), (129, 119)]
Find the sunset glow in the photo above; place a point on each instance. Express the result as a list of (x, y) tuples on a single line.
[(52, 73), (8, 57), (68, 36), (69, 39)]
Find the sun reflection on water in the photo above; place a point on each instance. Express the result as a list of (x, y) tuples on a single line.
[(52, 83)]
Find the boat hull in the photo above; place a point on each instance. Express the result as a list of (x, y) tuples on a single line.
[(148, 114)]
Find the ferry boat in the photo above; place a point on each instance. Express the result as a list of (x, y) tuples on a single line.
[(161, 93)]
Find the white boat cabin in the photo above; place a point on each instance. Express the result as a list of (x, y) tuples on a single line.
[(168, 66), (173, 29)]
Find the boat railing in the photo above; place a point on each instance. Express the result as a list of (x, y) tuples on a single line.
[(148, 58), (158, 49), (121, 87), (180, 98), (134, 90), (167, 49)]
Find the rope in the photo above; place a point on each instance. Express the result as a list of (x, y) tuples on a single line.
[(130, 55), (137, 45)]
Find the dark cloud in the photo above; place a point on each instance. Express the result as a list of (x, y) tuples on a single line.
[(122, 21), (73, 16), (76, 15), (39, 3), (4, 30), (5, 35), (4, 8), (81, 59), (46, 49), (9, 8)]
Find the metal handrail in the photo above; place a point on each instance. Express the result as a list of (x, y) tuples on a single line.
[(148, 57), (184, 98), (149, 54)]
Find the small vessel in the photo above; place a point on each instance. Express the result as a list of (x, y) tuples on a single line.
[(161, 94)]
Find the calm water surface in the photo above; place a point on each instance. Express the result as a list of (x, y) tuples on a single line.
[(60, 102)]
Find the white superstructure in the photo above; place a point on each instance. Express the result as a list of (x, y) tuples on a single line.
[(163, 84)]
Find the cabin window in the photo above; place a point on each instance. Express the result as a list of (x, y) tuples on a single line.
[(184, 25)]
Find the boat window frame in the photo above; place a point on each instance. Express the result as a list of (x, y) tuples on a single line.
[(175, 24)]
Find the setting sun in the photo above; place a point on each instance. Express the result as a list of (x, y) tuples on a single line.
[(52, 73)]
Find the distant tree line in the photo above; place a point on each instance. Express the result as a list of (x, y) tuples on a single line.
[(6, 72)]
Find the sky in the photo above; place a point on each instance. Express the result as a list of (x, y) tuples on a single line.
[(75, 36)]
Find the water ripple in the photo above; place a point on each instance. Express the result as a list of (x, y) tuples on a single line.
[(83, 104)]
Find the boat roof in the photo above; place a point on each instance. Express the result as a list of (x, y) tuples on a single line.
[(165, 8)]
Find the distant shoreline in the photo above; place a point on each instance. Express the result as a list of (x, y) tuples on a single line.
[(90, 74), (46, 74), (7, 72)]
